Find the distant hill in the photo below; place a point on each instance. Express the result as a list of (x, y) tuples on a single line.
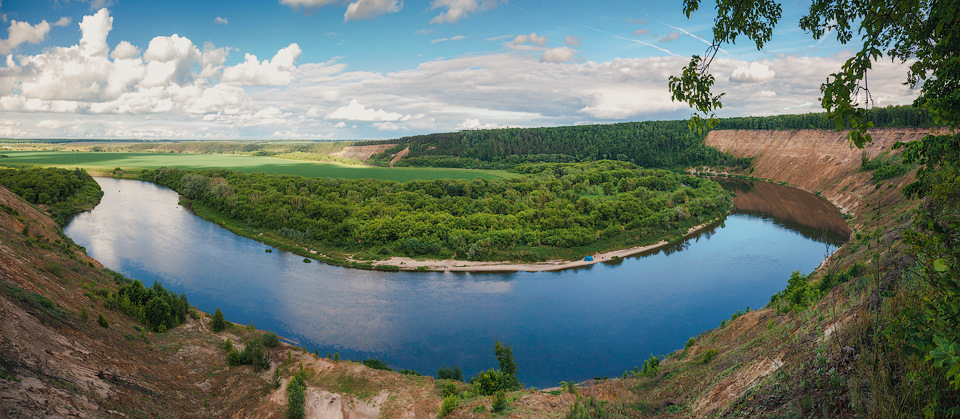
[(652, 144)]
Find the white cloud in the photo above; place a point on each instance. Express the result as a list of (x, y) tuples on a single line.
[(452, 38), (755, 72), (558, 55), (386, 126), (124, 50), (454, 10), (340, 124), (278, 71), (572, 41), (669, 38), (639, 32), (424, 31), (221, 20), (93, 42), (355, 111), (369, 9), (169, 59), (472, 124), (22, 32), (531, 42)]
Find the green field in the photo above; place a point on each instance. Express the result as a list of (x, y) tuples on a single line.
[(242, 163)]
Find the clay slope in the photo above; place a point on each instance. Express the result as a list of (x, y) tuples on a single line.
[(814, 160)]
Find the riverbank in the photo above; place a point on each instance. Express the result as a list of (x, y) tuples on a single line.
[(456, 265)]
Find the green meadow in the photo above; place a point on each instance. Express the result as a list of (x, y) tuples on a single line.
[(108, 160)]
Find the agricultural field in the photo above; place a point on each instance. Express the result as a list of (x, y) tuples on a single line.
[(106, 161)]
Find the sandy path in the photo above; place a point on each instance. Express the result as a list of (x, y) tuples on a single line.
[(455, 265)]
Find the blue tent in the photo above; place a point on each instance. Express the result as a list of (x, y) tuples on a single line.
[(588, 258)]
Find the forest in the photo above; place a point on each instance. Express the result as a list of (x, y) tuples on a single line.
[(67, 192), (652, 144), (554, 210)]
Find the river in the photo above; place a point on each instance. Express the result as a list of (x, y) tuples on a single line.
[(568, 325)]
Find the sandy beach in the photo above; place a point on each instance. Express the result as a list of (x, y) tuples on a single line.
[(455, 265)]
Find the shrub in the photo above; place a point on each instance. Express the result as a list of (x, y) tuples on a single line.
[(227, 346), (449, 390), (650, 367), (450, 374), (376, 364), (487, 382), (499, 401), (690, 342), (449, 403), (411, 372), (709, 356), (296, 399), (252, 354), (218, 324), (102, 321), (270, 340)]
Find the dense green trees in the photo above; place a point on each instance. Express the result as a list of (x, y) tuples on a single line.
[(651, 144), (155, 307), (66, 192), (585, 206)]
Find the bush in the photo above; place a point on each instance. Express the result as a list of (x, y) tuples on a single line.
[(218, 324), (376, 364), (449, 403), (650, 367), (270, 340), (102, 321), (449, 390), (296, 399), (709, 356), (252, 354), (450, 374), (499, 401), (690, 342)]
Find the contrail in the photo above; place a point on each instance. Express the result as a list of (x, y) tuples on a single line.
[(695, 37), (633, 40)]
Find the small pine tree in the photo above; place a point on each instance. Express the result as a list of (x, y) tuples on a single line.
[(102, 321), (218, 323)]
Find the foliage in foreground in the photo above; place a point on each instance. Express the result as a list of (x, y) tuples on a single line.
[(553, 208), (67, 192)]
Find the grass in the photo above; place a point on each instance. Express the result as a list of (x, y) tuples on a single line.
[(107, 161)]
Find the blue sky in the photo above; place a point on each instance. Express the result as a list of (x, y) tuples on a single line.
[(344, 69)]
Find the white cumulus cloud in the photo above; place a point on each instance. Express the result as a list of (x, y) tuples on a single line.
[(755, 72), (278, 71), (23, 32), (558, 55), (355, 111), (124, 50), (369, 9), (454, 10), (221, 20)]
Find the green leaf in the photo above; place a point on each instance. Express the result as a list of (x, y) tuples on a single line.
[(939, 265)]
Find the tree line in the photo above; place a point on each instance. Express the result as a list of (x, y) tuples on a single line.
[(66, 192)]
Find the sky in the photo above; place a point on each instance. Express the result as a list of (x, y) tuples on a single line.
[(371, 69)]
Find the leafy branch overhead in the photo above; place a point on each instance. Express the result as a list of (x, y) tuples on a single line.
[(921, 32)]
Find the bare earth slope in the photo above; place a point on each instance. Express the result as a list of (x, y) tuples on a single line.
[(813, 160)]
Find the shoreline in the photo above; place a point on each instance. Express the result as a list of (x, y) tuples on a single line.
[(456, 265)]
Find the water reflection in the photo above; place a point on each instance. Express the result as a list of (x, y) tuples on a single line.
[(574, 324), (808, 214)]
